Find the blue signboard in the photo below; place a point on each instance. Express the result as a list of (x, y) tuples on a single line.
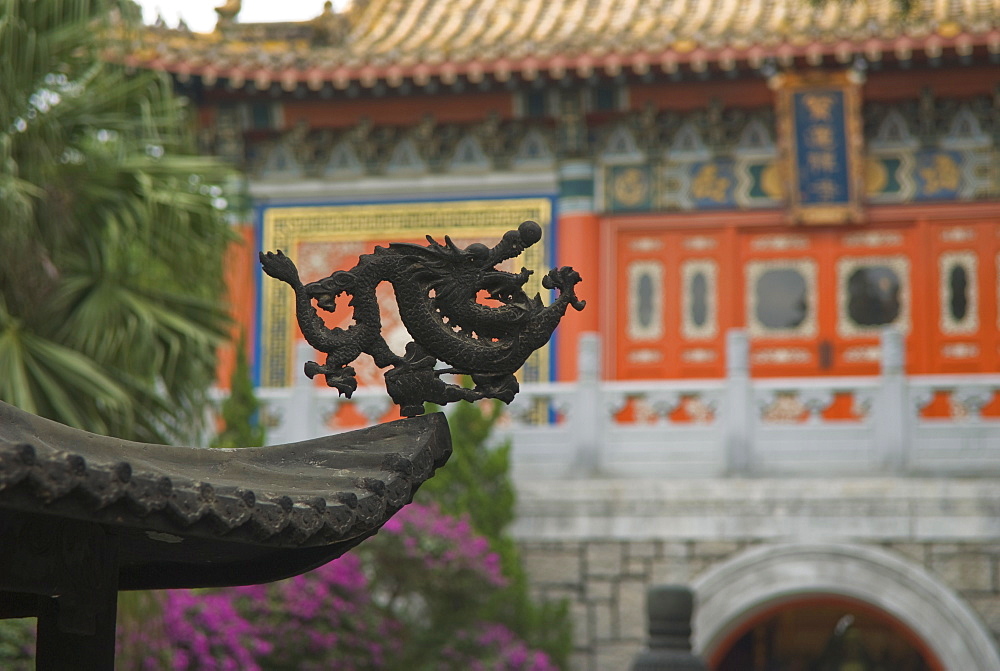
[(819, 114), (821, 148)]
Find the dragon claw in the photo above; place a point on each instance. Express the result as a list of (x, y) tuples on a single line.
[(501, 387), (312, 369), (565, 279), (341, 379)]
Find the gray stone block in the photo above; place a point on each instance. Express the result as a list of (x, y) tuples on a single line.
[(644, 549), (604, 559), (598, 589), (632, 610), (583, 634), (670, 571), (637, 568), (964, 572), (605, 625), (553, 566), (714, 549), (616, 656)]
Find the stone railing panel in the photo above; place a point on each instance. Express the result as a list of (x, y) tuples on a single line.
[(962, 443), (890, 423), (791, 432)]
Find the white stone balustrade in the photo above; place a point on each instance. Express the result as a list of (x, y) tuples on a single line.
[(733, 426)]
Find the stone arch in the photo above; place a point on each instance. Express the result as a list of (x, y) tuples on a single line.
[(735, 590)]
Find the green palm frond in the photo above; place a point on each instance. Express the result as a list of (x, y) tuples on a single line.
[(50, 379), (111, 295)]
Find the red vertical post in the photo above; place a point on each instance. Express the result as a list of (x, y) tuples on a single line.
[(241, 265), (577, 246)]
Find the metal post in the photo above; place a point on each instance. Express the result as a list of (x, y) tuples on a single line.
[(736, 413), (76, 629), (669, 608)]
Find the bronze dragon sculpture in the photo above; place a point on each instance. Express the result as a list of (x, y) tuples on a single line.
[(436, 290)]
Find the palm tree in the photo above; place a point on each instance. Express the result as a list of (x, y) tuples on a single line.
[(112, 232)]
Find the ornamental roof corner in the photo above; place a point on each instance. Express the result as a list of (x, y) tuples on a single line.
[(196, 517)]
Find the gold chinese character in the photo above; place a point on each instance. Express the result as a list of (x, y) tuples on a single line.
[(822, 161), (820, 106), (942, 175), (709, 185), (630, 187), (826, 189), (820, 136)]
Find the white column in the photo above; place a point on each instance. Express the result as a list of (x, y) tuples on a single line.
[(893, 413), (299, 419), (587, 417), (738, 404)]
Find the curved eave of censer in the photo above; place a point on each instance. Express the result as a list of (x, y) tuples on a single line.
[(196, 517)]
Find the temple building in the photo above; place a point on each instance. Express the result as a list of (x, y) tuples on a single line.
[(784, 388)]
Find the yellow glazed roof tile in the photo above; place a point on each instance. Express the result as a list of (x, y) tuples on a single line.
[(374, 36)]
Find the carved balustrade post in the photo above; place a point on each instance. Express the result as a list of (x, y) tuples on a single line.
[(588, 414), (893, 414), (300, 417), (738, 405)]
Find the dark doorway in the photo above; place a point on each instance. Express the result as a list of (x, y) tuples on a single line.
[(823, 634)]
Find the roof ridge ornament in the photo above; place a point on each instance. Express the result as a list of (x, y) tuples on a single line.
[(227, 13), (436, 289), (331, 27)]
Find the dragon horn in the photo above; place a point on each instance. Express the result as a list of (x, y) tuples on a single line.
[(433, 242), (447, 240)]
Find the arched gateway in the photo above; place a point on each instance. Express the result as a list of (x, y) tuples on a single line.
[(898, 594)]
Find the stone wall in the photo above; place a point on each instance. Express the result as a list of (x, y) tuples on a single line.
[(605, 583), (596, 556)]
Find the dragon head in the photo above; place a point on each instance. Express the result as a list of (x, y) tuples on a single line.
[(455, 278), (326, 290)]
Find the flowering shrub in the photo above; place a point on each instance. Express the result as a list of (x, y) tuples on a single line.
[(324, 616), (491, 647), (441, 544), (17, 644), (477, 482), (403, 600)]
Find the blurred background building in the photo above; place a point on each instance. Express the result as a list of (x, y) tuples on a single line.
[(784, 388)]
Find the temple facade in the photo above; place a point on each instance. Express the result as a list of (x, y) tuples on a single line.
[(784, 388)]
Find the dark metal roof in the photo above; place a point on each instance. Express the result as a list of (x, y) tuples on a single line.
[(197, 517)]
